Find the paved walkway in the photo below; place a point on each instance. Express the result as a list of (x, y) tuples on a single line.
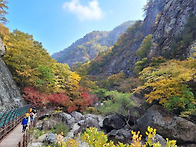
[(13, 138)]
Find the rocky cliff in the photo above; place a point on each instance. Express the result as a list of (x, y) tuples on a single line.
[(165, 20), (88, 47), (2, 48), (123, 55), (170, 23), (152, 11), (9, 92)]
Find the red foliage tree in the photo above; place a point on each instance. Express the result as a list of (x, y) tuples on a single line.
[(72, 107), (34, 97), (56, 100)]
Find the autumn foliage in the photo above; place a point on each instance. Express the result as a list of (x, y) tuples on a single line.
[(55, 100), (172, 85)]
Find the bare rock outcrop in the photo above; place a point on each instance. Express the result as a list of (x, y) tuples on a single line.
[(170, 23), (9, 93), (2, 48)]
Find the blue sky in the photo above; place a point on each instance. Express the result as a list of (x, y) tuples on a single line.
[(59, 23)]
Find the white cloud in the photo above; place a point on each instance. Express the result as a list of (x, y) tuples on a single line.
[(90, 12)]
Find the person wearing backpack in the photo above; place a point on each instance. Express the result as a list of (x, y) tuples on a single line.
[(24, 123), (31, 117)]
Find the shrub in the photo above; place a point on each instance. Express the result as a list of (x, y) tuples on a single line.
[(60, 128), (90, 110), (157, 61), (118, 103), (114, 81), (96, 138), (145, 47), (38, 133), (140, 65)]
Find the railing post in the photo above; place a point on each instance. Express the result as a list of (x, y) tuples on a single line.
[(26, 139), (19, 144), (23, 140)]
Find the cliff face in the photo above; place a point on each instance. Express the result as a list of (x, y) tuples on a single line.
[(2, 48), (123, 57), (171, 23), (153, 9), (164, 20), (9, 92), (88, 47)]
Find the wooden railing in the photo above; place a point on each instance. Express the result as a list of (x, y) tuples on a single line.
[(25, 140), (10, 119), (26, 136)]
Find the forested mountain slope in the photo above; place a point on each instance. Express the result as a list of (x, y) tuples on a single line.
[(88, 47), (172, 37)]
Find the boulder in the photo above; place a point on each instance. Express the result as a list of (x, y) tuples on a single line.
[(99, 118), (50, 138), (122, 135), (35, 144), (77, 116), (39, 125), (41, 138), (90, 120), (158, 138), (168, 125), (113, 122), (65, 118), (48, 124)]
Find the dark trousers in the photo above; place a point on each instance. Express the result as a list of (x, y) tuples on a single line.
[(24, 128)]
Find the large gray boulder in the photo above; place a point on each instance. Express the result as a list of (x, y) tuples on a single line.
[(65, 118), (168, 125), (50, 138), (89, 120), (113, 122), (77, 116), (122, 135)]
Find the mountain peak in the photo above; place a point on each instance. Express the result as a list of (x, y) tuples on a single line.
[(88, 47)]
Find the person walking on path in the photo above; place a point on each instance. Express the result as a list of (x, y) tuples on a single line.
[(24, 123), (31, 117)]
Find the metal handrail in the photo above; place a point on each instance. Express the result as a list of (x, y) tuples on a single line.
[(11, 119)]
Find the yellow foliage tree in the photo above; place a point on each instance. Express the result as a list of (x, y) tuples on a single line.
[(73, 84), (3, 7), (169, 84)]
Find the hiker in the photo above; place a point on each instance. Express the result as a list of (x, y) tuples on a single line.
[(31, 117), (30, 110), (24, 123), (27, 115), (34, 110)]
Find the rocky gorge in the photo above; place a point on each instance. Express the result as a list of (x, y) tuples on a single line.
[(117, 129), (165, 20)]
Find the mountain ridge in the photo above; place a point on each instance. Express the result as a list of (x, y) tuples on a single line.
[(88, 47)]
